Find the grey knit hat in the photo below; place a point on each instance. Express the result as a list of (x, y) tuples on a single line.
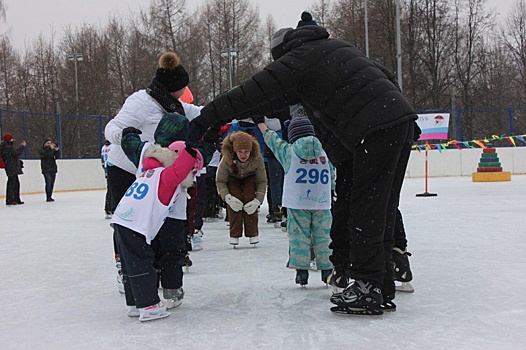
[(276, 44)]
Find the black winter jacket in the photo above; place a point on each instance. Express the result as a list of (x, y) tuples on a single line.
[(48, 158), (347, 93), (11, 156)]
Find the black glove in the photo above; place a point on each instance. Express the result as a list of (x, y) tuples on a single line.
[(212, 135), (191, 150), (131, 130), (196, 130), (258, 119)]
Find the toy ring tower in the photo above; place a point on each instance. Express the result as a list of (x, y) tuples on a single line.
[(490, 169)]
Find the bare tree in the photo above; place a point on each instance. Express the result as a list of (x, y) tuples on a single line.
[(514, 36), (321, 11), (470, 26), (232, 24), (9, 62), (432, 46), (346, 21), (169, 21)]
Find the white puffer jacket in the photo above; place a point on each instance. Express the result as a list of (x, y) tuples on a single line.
[(140, 111)]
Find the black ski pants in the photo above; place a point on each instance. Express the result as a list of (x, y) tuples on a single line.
[(378, 169), (139, 275)]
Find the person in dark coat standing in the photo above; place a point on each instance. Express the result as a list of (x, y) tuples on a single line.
[(13, 168), (48, 155), (356, 104)]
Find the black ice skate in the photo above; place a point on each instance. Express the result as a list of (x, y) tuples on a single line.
[(187, 263), (359, 298), (275, 217), (388, 306), (339, 278), (402, 270), (325, 274), (302, 277)]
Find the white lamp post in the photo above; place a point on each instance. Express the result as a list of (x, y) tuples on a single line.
[(76, 57), (230, 52)]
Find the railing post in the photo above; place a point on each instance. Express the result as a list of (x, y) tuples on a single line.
[(510, 118), (459, 124), (24, 131)]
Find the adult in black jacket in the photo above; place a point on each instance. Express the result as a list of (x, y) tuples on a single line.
[(13, 168), (48, 155), (355, 104)]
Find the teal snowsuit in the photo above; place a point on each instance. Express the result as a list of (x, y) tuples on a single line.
[(304, 226)]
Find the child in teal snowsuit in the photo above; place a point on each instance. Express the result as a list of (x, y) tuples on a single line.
[(309, 180)]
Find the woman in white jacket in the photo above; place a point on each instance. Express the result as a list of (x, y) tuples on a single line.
[(143, 110)]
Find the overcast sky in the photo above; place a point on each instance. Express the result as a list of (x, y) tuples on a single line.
[(26, 19)]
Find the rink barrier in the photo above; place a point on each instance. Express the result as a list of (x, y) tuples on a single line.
[(87, 174)]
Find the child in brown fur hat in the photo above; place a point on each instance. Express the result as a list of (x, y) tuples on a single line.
[(242, 182)]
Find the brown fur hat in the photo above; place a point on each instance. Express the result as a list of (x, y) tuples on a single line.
[(239, 140)]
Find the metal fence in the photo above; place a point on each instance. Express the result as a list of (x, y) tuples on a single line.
[(82, 136), (79, 136)]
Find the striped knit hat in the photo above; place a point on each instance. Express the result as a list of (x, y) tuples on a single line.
[(300, 127)]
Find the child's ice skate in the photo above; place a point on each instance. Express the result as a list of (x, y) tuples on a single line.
[(133, 311), (302, 277), (187, 263), (234, 241), (283, 225), (339, 278), (402, 270), (173, 297), (253, 241), (196, 241), (325, 274), (153, 312), (275, 217)]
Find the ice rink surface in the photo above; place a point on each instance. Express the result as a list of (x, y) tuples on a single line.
[(58, 288)]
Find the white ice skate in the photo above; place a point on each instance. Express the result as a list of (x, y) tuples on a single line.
[(234, 241), (133, 312), (197, 243), (253, 241), (173, 297), (153, 312)]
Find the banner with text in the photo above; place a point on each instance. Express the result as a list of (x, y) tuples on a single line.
[(434, 126)]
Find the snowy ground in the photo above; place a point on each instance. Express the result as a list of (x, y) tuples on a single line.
[(58, 286)]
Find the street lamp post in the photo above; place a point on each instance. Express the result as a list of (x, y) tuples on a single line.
[(230, 52), (366, 29), (398, 45), (76, 57)]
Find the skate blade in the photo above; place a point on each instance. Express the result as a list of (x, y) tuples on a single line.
[(170, 304), (345, 310), (405, 287), (155, 317)]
